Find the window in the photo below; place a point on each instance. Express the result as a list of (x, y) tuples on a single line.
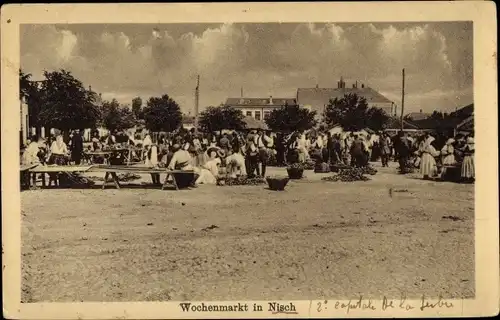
[(249, 113), (257, 115), (267, 114)]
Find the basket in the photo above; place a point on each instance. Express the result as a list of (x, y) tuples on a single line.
[(295, 173), (277, 183), (184, 179)]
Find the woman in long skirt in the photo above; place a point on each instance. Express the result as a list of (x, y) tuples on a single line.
[(428, 166), (468, 172), (448, 153)]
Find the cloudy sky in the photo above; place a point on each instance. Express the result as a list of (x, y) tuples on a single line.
[(123, 61)]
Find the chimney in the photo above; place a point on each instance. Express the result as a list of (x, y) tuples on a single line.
[(270, 99), (90, 88)]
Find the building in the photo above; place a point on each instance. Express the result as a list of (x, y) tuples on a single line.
[(258, 108), (316, 99), (188, 122), (24, 130), (417, 116)]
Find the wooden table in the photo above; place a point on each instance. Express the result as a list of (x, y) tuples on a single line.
[(111, 171), (104, 154), (57, 169), (25, 174)]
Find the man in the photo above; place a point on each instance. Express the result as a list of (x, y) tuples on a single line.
[(358, 152), (263, 142), (77, 147), (252, 156), (181, 159), (385, 149), (403, 151), (224, 143)]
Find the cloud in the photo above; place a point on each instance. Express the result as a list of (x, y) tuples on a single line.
[(265, 59)]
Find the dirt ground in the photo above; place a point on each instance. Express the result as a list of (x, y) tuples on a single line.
[(316, 239)]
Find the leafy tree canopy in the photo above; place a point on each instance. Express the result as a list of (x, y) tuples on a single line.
[(220, 118), (291, 118), (137, 107), (65, 103), (162, 114), (116, 117), (353, 114)]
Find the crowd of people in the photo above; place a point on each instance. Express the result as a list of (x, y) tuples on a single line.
[(249, 153)]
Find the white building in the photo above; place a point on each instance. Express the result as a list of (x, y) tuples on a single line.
[(317, 98), (259, 108)]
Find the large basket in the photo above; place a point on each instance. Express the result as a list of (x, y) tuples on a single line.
[(295, 173), (277, 184), (184, 179)]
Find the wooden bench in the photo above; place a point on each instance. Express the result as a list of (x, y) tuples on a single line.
[(111, 172), (57, 170)]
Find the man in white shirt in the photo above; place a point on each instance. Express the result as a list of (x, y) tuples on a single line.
[(263, 142)]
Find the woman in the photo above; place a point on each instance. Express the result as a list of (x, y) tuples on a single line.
[(58, 156), (448, 153), (468, 172), (428, 166), (58, 152), (236, 163), (152, 162), (209, 171)]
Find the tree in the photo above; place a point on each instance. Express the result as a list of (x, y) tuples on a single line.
[(30, 94), (376, 119), (116, 117), (291, 118), (353, 114), (162, 114), (219, 118), (137, 107), (65, 103)]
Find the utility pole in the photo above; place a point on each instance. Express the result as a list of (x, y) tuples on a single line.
[(403, 101), (196, 102)]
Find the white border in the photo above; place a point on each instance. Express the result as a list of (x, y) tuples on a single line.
[(485, 98)]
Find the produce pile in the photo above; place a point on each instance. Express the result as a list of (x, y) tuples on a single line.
[(369, 170), (309, 165), (124, 177), (352, 174), (76, 180), (240, 181), (128, 176)]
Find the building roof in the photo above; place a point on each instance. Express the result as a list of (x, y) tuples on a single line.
[(395, 123), (467, 124), (417, 116), (464, 112), (316, 97), (239, 102)]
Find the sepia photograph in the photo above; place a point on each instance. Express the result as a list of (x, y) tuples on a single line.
[(270, 161)]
